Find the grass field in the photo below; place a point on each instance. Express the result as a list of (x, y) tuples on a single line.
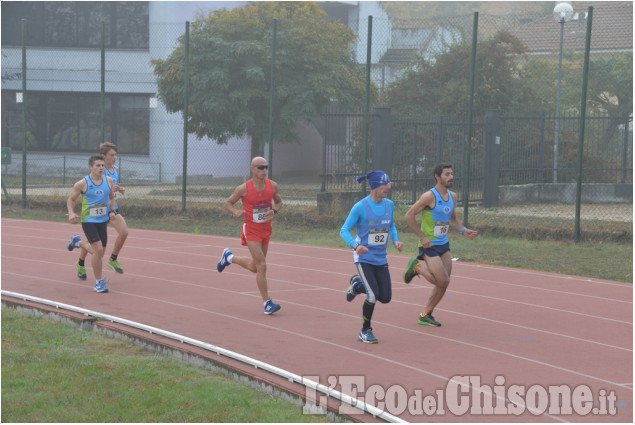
[(53, 372)]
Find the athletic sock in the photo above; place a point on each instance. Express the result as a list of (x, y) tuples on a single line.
[(426, 312), (417, 267), (367, 314), (81, 262), (113, 257), (230, 258)]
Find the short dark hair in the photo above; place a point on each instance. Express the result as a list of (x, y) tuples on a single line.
[(438, 170), (96, 157)]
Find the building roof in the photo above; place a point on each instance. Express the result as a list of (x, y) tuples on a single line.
[(400, 56), (612, 29)]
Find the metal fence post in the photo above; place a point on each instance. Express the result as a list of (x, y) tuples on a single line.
[(102, 92), (543, 123), (367, 109), (186, 102), (466, 186), (324, 144), (24, 123), (272, 95), (625, 151), (585, 79), (492, 151), (414, 164)]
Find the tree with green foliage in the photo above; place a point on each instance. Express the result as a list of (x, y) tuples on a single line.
[(442, 85), (610, 83), (230, 71)]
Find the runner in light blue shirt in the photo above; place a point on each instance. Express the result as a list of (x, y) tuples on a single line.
[(373, 219)]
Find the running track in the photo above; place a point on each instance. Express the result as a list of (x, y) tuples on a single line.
[(525, 327)]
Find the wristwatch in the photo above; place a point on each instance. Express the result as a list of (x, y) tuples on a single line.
[(355, 246)]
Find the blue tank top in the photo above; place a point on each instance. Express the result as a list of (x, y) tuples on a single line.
[(115, 181), (373, 234), (435, 223), (95, 201)]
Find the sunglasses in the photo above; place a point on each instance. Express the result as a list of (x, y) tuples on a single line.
[(262, 167)]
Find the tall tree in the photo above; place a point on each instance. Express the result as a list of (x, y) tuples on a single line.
[(442, 85), (230, 62)]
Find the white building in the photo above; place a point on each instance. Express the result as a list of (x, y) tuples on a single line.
[(63, 58)]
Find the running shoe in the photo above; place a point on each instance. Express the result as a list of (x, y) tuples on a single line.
[(354, 288), (81, 271), (100, 286), (271, 307), (366, 335), (410, 272), (223, 261), (114, 264), (74, 242), (428, 320)]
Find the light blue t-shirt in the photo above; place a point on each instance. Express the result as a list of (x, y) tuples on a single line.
[(374, 224), (115, 181)]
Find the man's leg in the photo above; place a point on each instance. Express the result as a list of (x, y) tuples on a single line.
[(438, 273), (80, 266), (255, 264), (440, 269), (122, 233), (244, 262), (368, 277), (258, 261), (97, 258)]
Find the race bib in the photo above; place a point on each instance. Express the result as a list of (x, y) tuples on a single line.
[(441, 228), (259, 215), (377, 237), (97, 210)]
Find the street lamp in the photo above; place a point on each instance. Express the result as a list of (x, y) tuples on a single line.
[(563, 12)]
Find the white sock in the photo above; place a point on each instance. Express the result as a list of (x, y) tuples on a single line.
[(265, 303), (229, 258)]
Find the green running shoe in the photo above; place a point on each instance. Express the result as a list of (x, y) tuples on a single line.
[(410, 272), (81, 271), (114, 264), (428, 320)]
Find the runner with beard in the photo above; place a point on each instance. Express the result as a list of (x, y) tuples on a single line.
[(437, 216)]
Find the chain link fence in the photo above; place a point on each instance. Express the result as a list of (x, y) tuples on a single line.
[(78, 96)]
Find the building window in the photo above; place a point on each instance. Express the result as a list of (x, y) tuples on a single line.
[(71, 122), (76, 24)]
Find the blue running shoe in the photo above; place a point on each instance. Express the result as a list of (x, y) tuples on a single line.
[(271, 307), (100, 286), (74, 243), (355, 288), (367, 336), (223, 260)]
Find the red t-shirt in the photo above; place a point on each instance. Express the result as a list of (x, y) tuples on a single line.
[(255, 204)]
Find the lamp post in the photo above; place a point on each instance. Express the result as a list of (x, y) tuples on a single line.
[(561, 13)]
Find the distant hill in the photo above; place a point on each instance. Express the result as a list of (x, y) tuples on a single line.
[(405, 11)]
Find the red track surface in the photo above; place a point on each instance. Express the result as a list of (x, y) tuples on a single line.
[(527, 328)]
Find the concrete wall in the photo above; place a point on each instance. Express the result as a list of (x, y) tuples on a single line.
[(564, 192)]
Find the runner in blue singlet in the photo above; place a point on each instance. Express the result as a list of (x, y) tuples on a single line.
[(109, 152), (98, 204)]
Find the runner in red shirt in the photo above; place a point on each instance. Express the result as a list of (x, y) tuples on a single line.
[(261, 202)]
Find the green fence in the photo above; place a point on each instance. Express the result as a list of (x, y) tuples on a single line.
[(104, 89)]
